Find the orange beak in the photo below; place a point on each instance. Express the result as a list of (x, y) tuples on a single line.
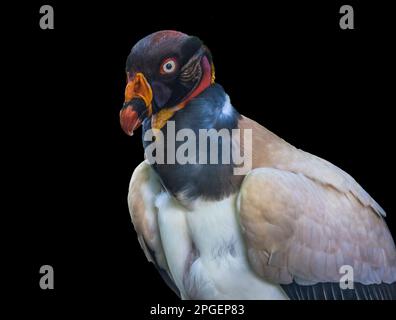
[(137, 105)]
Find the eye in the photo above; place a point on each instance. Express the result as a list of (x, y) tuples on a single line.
[(168, 66)]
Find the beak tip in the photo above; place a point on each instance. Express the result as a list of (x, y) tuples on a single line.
[(129, 120)]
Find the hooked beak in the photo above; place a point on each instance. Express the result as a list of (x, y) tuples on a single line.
[(137, 105)]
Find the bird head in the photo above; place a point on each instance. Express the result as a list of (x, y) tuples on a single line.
[(165, 70)]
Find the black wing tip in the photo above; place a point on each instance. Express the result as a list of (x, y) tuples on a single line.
[(333, 291)]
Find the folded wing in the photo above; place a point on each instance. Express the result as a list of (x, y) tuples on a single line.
[(143, 189), (304, 218)]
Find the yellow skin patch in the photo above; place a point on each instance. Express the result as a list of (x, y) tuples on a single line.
[(159, 119), (212, 80)]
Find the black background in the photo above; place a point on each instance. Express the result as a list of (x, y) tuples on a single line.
[(287, 65)]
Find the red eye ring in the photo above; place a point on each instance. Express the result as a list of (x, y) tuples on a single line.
[(168, 66)]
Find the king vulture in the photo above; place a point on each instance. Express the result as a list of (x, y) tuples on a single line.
[(286, 229)]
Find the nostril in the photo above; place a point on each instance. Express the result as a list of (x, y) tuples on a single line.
[(139, 106)]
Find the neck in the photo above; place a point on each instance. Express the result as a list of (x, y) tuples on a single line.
[(210, 110)]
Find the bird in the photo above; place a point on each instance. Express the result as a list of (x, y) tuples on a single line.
[(286, 229)]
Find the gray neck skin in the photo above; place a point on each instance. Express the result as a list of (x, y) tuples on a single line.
[(187, 182)]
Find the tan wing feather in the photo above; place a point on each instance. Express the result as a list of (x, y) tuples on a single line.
[(303, 218), (297, 229), (143, 188), (271, 151)]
